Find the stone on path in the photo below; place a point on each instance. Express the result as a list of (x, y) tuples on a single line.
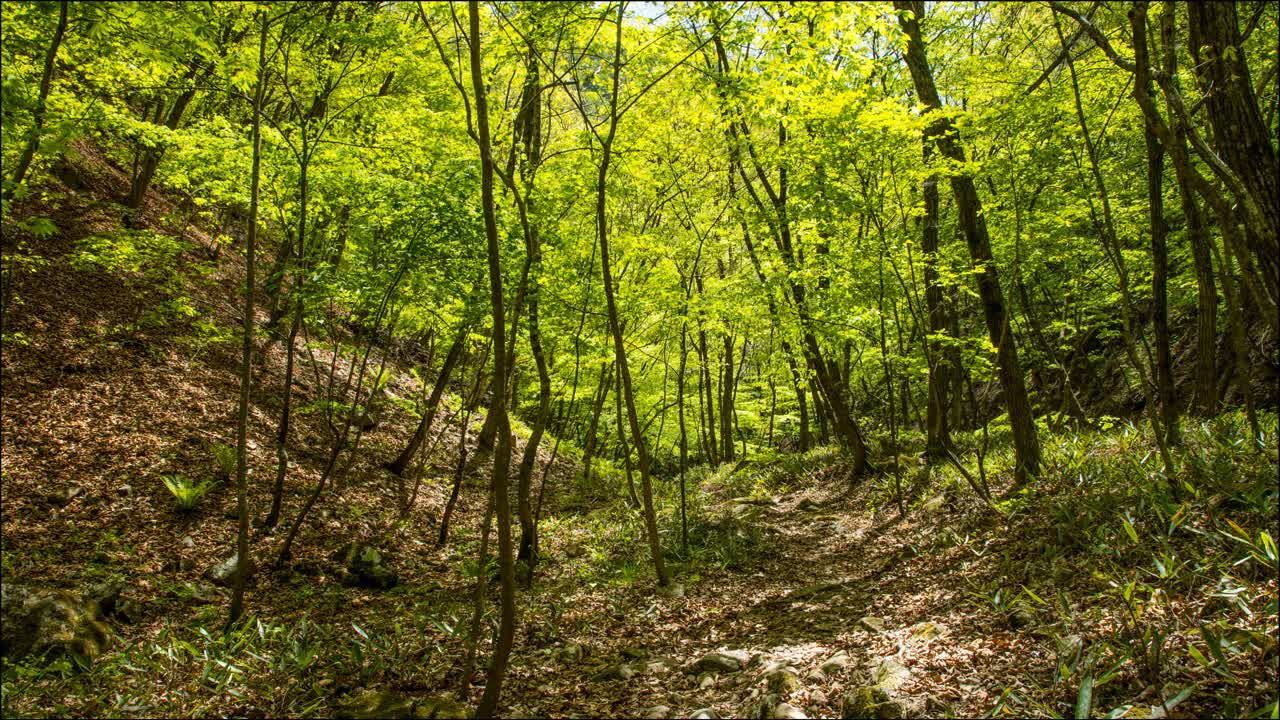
[(365, 567), (387, 704), (889, 674), (704, 714), (785, 711), (50, 623), (673, 590), (617, 671), (869, 702), (783, 680), (836, 663), (927, 631), (873, 623), (722, 661), (224, 573)]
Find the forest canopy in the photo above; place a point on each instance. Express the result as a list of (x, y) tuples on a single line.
[(925, 246)]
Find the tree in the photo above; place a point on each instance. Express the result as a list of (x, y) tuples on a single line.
[(974, 226)]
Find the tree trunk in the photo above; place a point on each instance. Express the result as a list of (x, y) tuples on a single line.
[(1205, 386), (401, 462), (973, 223), (597, 407), (37, 113), (1241, 136), (938, 430), (624, 374), (246, 355), (502, 457), (1159, 237)]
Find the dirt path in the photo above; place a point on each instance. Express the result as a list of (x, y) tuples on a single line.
[(833, 586)]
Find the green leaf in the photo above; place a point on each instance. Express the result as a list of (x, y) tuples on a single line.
[(1084, 700), (1128, 528)]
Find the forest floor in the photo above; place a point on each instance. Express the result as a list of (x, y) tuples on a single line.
[(120, 368)]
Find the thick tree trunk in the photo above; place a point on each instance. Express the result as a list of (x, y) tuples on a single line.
[(1241, 136)]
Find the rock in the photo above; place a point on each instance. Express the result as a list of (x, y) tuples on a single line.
[(870, 701), (572, 653), (656, 712), (717, 662), (1020, 617), (574, 550), (836, 663), (705, 681), (387, 704), (619, 671), (365, 567), (64, 498), (50, 624), (783, 680), (808, 505), (785, 711), (179, 565), (657, 665), (889, 674), (704, 714), (927, 631), (224, 573), (673, 590), (873, 623), (934, 504), (188, 542), (201, 594)]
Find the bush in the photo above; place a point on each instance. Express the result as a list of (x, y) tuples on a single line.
[(186, 491)]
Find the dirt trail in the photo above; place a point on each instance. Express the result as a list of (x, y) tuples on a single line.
[(827, 564)]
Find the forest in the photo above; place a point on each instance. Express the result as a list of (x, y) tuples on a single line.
[(762, 358)]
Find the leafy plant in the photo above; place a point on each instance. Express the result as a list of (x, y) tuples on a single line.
[(225, 456), (187, 492)]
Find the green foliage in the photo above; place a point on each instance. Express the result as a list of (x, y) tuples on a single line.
[(186, 492), (225, 456)]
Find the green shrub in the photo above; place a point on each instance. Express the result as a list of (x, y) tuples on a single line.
[(186, 491), (225, 455)]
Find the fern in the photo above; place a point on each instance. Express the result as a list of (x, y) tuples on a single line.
[(186, 491)]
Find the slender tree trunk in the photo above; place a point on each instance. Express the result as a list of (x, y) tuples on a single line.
[(972, 221), (246, 355), (726, 402), (1206, 369), (590, 442), (1159, 237), (684, 438), (502, 457), (405, 457), (624, 374), (938, 430), (37, 113)]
